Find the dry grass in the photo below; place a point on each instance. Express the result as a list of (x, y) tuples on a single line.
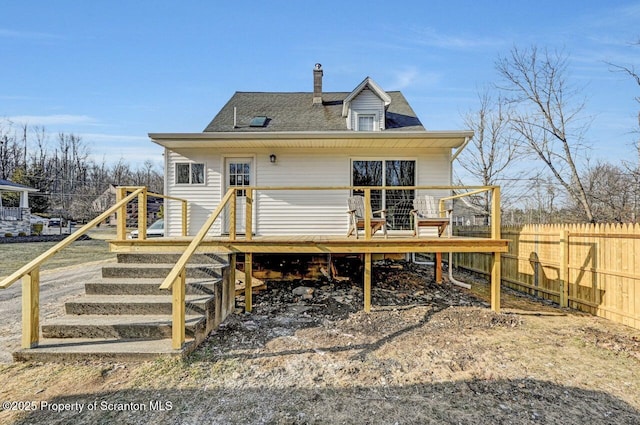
[(15, 255), (424, 363)]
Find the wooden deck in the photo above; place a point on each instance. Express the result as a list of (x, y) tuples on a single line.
[(316, 245), (303, 244)]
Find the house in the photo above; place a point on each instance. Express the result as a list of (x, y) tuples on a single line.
[(467, 212), (15, 220), (364, 137), (108, 198)]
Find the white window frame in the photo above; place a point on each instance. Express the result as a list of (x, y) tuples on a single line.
[(190, 182), (373, 114)]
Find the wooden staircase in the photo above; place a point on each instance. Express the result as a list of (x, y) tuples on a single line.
[(125, 316)]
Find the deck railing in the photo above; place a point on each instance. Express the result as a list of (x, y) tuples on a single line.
[(30, 273), (175, 280), (11, 213)]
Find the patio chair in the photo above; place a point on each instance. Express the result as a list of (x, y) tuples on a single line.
[(426, 213), (356, 217)]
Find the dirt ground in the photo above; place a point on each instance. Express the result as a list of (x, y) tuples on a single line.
[(426, 354)]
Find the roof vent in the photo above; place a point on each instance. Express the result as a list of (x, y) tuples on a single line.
[(258, 122)]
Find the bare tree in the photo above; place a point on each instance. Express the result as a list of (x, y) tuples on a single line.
[(613, 193), (546, 115), (493, 147), (631, 71)]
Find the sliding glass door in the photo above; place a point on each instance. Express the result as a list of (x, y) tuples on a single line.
[(388, 172)]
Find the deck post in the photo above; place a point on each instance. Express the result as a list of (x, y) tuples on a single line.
[(367, 282), (184, 218), (231, 288), (248, 269), (367, 215), (142, 214), (248, 226), (232, 216), (496, 266), (121, 215), (438, 267), (178, 310), (31, 308)]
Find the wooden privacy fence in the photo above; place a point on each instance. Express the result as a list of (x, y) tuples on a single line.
[(592, 268)]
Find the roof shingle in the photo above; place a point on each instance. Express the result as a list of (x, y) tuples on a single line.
[(296, 112)]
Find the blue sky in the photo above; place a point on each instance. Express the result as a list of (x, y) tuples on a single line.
[(114, 71)]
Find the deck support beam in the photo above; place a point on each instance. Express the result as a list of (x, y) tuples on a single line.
[(367, 282), (496, 277), (31, 308), (248, 269), (438, 268)]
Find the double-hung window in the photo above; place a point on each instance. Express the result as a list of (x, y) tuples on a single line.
[(366, 122), (189, 173)]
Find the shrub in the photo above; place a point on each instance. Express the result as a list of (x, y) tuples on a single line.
[(37, 228), (8, 235), (22, 234)]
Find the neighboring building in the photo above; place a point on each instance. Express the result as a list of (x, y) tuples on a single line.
[(15, 220), (107, 198), (366, 137), (467, 212)]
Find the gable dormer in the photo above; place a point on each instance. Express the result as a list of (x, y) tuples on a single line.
[(365, 107)]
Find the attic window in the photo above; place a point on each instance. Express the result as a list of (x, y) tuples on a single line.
[(258, 122)]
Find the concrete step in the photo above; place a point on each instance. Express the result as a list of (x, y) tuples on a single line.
[(119, 326), (107, 349), (168, 257), (132, 270), (146, 286), (137, 304)]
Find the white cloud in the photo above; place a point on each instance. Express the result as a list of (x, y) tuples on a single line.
[(60, 119), (33, 35), (430, 37)]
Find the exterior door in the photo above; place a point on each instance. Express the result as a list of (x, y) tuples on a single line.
[(239, 173)]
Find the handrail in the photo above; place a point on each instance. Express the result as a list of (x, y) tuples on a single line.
[(197, 239), (142, 218), (33, 264), (176, 279)]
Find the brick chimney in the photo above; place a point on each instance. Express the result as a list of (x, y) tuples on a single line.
[(317, 84)]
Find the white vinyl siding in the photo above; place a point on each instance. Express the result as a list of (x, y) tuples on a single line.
[(369, 104), (321, 212), (203, 198)]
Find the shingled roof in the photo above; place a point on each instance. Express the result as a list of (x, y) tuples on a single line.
[(296, 112)]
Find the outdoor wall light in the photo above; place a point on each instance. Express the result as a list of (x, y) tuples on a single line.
[(272, 158)]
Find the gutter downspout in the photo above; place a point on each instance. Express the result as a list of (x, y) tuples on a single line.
[(451, 278)]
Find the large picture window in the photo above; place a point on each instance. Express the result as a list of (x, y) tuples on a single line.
[(388, 172), (189, 173)]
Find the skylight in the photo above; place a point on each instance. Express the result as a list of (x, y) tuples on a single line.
[(258, 122)]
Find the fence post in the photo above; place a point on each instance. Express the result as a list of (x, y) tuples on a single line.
[(563, 273), (31, 308)]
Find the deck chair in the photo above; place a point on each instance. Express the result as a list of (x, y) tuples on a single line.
[(426, 213), (356, 217)]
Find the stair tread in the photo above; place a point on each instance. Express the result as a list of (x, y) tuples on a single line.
[(122, 319), (101, 348), (163, 265), (150, 280), (134, 299)]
